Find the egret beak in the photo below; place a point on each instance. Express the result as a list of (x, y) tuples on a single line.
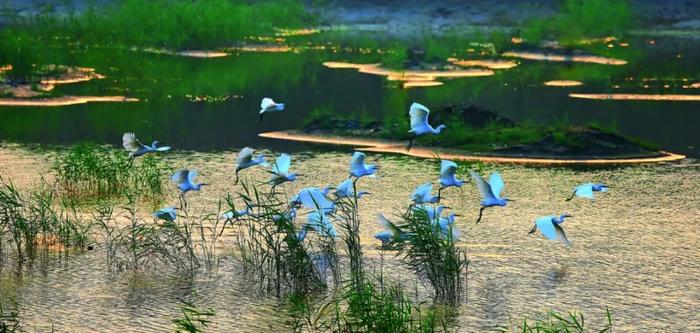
[(568, 215), (534, 228), (457, 215), (203, 184), (508, 199)]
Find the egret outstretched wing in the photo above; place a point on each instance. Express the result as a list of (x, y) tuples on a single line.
[(313, 198), (496, 183), (386, 224), (584, 191), (245, 157), (357, 163), (422, 192), (419, 116), (282, 164), (561, 236), (344, 188), (483, 186), (191, 176), (130, 142), (163, 148), (266, 103), (180, 176), (546, 227), (447, 170), (318, 221)]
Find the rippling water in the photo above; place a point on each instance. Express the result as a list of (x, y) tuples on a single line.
[(635, 250)]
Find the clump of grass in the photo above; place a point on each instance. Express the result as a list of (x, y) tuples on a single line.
[(90, 171), (9, 318), (554, 322), (37, 221), (433, 255), (193, 320)]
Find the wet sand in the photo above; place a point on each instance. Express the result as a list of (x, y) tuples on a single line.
[(639, 97), (64, 100), (592, 59)]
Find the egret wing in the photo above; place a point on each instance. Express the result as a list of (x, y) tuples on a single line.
[(245, 156), (357, 163), (180, 176), (345, 187), (266, 103), (130, 142), (447, 170), (560, 234), (313, 198), (163, 148), (191, 176), (483, 186), (386, 224), (546, 227), (419, 115), (584, 191), (282, 164), (496, 183), (422, 191)]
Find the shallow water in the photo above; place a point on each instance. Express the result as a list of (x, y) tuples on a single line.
[(206, 104), (634, 250)]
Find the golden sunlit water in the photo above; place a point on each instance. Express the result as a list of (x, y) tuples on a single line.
[(634, 249)]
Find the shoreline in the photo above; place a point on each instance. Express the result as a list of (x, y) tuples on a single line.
[(396, 147)]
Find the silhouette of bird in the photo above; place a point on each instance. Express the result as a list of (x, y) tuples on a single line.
[(419, 123), (136, 148), (586, 190), (550, 227), (246, 160), (268, 105), (490, 192)]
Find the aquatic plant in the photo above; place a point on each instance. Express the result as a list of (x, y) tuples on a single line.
[(90, 171), (554, 322), (433, 255), (193, 320), (9, 318), (36, 221)]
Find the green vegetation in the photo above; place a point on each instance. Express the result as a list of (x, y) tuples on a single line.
[(90, 171), (554, 322), (9, 318), (193, 319), (578, 20)]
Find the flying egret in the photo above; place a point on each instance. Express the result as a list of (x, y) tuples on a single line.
[(447, 177), (321, 223), (345, 190), (358, 168), (268, 105), (586, 190), (419, 123), (391, 232), (234, 214), (166, 214), (550, 227), (280, 171), (184, 179), (313, 198), (246, 160), (433, 213), (136, 148), (301, 234), (423, 194), (490, 192), (287, 216)]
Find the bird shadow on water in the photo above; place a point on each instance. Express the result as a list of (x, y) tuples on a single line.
[(555, 276)]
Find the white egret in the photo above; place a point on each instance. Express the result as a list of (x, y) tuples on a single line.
[(344, 190), (280, 171), (166, 214), (490, 192), (419, 123), (550, 227), (447, 227), (423, 194), (184, 179), (433, 213), (136, 148), (246, 160), (358, 168), (287, 216), (234, 214), (586, 190), (321, 223), (268, 105), (447, 177), (391, 232), (313, 198)]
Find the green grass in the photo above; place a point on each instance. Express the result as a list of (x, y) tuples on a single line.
[(91, 172), (554, 322), (193, 320)]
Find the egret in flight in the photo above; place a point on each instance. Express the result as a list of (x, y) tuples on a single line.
[(280, 171), (447, 176), (358, 168), (391, 232), (419, 123), (184, 179), (447, 227), (321, 223), (136, 148), (433, 213), (313, 198), (166, 214), (234, 214), (246, 160), (586, 190), (345, 190), (550, 227), (268, 105), (423, 194), (490, 192)]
